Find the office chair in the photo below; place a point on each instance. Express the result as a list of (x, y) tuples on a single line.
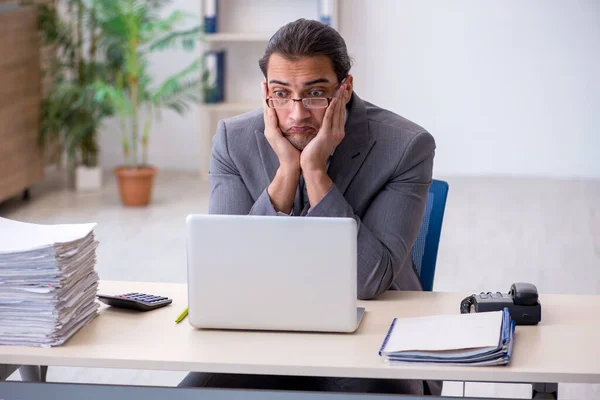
[(425, 249)]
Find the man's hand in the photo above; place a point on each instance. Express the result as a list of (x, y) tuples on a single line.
[(315, 155), (282, 190), (289, 156), (313, 159)]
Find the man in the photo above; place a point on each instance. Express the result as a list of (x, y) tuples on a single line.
[(316, 149)]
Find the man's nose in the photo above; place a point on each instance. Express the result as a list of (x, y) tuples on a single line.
[(299, 112)]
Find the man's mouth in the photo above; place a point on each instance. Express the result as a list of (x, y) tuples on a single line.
[(300, 129)]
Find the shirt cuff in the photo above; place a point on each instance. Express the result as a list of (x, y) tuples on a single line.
[(282, 214)]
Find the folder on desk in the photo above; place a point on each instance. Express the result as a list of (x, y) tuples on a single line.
[(461, 339)]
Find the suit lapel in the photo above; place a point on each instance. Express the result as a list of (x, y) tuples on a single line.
[(354, 148)]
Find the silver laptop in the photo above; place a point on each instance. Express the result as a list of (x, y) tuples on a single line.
[(272, 273)]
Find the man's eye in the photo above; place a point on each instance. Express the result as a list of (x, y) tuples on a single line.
[(279, 93), (316, 93)]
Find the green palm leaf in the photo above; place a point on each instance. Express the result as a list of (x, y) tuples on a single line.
[(178, 95)]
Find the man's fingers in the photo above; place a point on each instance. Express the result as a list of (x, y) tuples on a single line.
[(272, 116), (336, 110), (342, 111), (269, 114), (263, 87), (337, 123), (329, 115), (339, 108), (271, 121), (264, 98)]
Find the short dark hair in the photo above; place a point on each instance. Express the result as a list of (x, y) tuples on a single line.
[(308, 38)]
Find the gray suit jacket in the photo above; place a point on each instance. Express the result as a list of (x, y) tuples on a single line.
[(381, 171)]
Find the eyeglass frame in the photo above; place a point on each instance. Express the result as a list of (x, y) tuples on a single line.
[(301, 99)]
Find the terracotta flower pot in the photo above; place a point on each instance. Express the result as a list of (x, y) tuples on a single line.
[(135, 185)]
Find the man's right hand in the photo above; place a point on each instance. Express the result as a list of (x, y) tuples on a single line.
[(282, 190), (289, 156)]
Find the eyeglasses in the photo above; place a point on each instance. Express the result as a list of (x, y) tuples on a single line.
[(308, 102)]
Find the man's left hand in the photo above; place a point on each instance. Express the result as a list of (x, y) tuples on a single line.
[(315, 155)]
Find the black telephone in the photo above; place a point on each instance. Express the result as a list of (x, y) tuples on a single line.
[(522, 302)]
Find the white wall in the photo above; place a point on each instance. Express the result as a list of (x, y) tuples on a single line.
[(506, 87)]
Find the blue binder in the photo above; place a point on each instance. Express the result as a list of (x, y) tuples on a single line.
[(325, 11), (213, 77), (211, 11)]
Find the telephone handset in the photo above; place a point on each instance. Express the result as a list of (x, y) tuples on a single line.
[(521, 300)]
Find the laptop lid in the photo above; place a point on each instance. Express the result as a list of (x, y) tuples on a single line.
[(272, 272)]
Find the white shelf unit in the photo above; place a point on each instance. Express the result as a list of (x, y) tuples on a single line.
[(244, 28)]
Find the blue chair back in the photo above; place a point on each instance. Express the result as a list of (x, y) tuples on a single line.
[(425, 249)]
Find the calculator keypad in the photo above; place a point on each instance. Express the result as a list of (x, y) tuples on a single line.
[(135, 301), (145, 298)]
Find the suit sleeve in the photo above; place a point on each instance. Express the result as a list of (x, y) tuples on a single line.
[(391, 224), (228, 193)]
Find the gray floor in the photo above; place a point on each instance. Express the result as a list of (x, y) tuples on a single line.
[(496, 231)]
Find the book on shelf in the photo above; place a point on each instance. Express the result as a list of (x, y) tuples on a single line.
[(325, 11), (213, 76), (210, 11)]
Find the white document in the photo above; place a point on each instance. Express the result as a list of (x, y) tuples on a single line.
[(18, 236), (445, 333)]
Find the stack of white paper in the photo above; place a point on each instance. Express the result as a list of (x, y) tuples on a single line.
[(48, 282)]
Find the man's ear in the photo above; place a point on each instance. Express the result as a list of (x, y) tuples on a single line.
[(349, 82)]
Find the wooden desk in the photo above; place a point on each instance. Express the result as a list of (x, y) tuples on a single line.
[(562, 348)]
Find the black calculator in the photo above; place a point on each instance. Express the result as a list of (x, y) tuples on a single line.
[(135, 301)]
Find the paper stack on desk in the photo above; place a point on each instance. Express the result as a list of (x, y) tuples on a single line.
[(48, 282), (463, 339)]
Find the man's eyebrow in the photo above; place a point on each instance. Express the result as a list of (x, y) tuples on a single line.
[(279, 82), (315, 81), (309, 83)]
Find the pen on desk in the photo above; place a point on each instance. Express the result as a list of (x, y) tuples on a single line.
[(182, 316)]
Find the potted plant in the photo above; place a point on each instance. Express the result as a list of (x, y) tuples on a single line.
[(130, 31), (71, 113)]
